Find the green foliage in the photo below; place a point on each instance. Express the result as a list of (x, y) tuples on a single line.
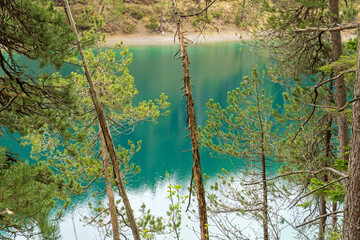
[(128, 27), (152, 24), (74, 151), (175, 207), (299, 54), (246, 130), (216, 14), (151, 226), (138, 14), (350, 12), (117, 9), (237, 129), (36, 30), (345, 62), (42, 33), (29, 193), (334, 192), (350, 47)]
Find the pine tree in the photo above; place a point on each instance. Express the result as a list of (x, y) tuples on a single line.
[(29, 194), (243, 130)]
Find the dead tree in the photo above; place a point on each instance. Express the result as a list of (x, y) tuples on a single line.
[(191, 120)]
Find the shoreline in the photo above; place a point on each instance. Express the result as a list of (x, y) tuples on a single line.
[(168, 38)]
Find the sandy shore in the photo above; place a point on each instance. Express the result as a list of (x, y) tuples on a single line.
[(168, 38)]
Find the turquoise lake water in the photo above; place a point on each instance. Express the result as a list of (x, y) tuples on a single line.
[(215, 69)]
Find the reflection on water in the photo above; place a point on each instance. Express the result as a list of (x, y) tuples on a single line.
[(215, 69)]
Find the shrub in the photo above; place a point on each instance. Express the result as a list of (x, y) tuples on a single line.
[(350, 13), (128, 27), (216, 14), (153, 24), (137, 14)]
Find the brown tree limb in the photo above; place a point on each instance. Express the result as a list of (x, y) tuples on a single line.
[(319, 188), (308, 118), (333, 78), (8, 103), (7, 211), (200, 12), (328, 29), (319, 217), (302, 172), (336, 108), (190, 189)]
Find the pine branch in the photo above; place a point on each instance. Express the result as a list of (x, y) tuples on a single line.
[(328, 29)]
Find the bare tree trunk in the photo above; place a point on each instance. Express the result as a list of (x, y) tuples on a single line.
[(327, 140), (109, 191), (243, 10), (322, 222), (105, 130), (161, 30), (265, 190), (265, 207), (334, 218), (191, 122), (351, 228), (340, 82)]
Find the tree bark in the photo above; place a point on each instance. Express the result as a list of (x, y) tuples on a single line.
[(243, 10), (322, 222), (105, 130), (265, 190), (109, 191), (191, 122), (351, 227), (340, 86), (334, 218), (327, 140), (263, 169)]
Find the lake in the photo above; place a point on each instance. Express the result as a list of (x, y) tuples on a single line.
[(215, 69)]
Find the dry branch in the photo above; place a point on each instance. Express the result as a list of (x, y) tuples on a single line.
[(328, 29)]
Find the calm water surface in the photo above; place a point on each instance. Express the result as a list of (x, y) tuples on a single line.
[(215, 69)]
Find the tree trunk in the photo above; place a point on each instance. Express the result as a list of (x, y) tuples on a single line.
[(109, 191), (105, 130), (243, 10), (327, 140), (191, 122), (334, 218), (340, 82), (322, 222), (263, 170), (265, 190), (351, 228), (161, 30)]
